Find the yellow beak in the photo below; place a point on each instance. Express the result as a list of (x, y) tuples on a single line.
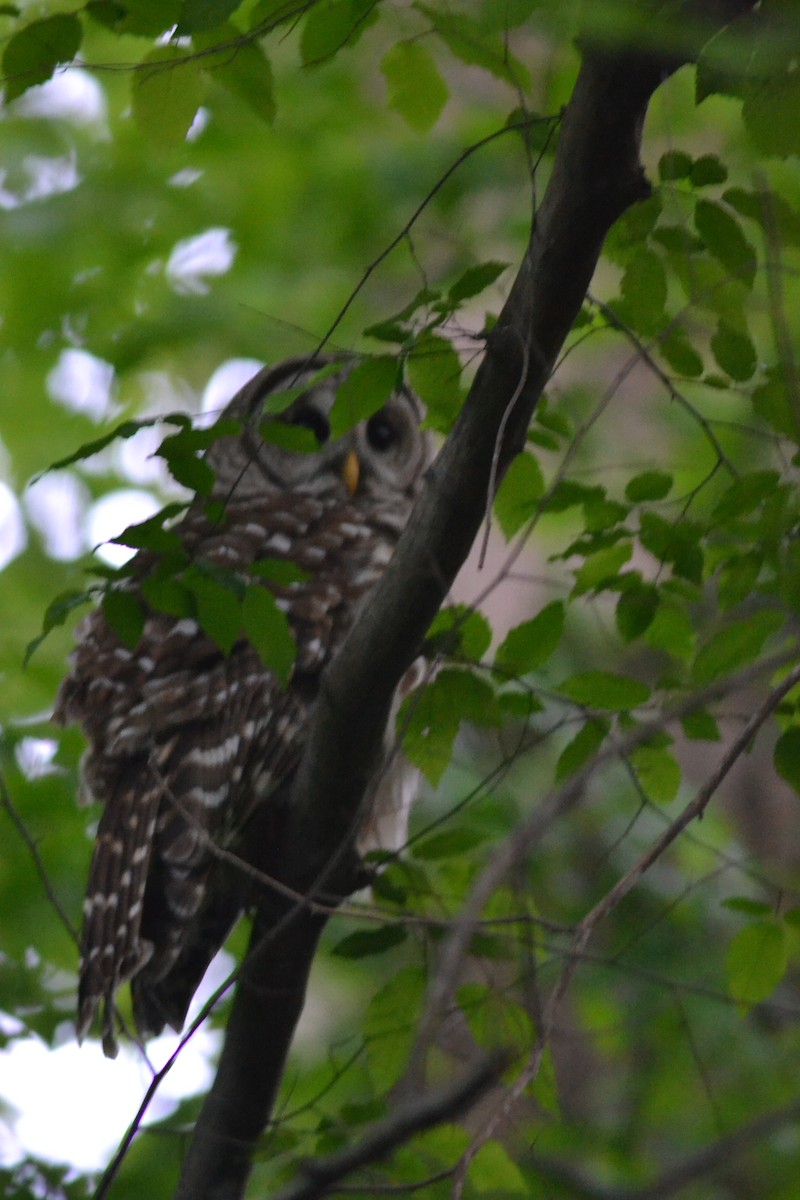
[(351, 472)]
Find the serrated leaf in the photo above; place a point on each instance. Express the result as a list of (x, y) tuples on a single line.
[(604, 689), (649, 485), (332, 25), (416, 88), (787, 756), (756, 961), (367, 942), (723, 236), (149, 18), (584, 745), (775, 404), (33, 53), (124, 613), (268, 629), (519, 493), (735, 646), (434, 372), (363, 392), (296, 439), (734, 352), (280, 571), (530, 644), (474, 281), (680, 353), (636, 609), (151, 534), (167, 92)]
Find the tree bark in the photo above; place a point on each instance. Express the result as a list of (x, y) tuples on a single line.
[(597, 175)]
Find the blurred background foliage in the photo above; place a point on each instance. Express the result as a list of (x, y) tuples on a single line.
[(138, 261)]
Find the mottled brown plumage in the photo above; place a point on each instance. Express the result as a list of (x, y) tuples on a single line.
[(189, 746)]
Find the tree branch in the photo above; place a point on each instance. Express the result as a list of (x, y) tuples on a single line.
[(597, 175)]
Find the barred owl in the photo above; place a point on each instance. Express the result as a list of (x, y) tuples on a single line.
[(189, 747)]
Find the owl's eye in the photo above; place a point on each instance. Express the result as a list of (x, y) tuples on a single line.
[(313, 419), (381, 432)]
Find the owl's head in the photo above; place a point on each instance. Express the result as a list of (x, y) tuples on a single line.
[(380, 458)]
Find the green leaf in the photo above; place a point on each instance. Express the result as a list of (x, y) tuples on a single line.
[(151, 534), (416, 89), (124, 613), (744, 494), (243, 69), (723, 236), (167, 92), (149, 18), (678, 544), (434, 372), (700, 726), (467, 41), (57, 612), (787, 756), (757, 959), (367, 942), (429, 720), (333, 24), (280, 571), (268, 629), (650, 485), (657, 771), (584, 745), (636, 609), (603, 689), (751, 908), (775, 403), (32, 55), (707, 171), (452, 843), (530, 644), (198, 15), (734, 352), (460, 630), (168, 595), (675, 164), (671, 630), (390, 1024), (519, 494), (474, 281), (295, 439), (680, 353), (771, 114), (735, 646), (644, 292), (493, 1172), (602, 568), (218, 608), (363, 392)]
